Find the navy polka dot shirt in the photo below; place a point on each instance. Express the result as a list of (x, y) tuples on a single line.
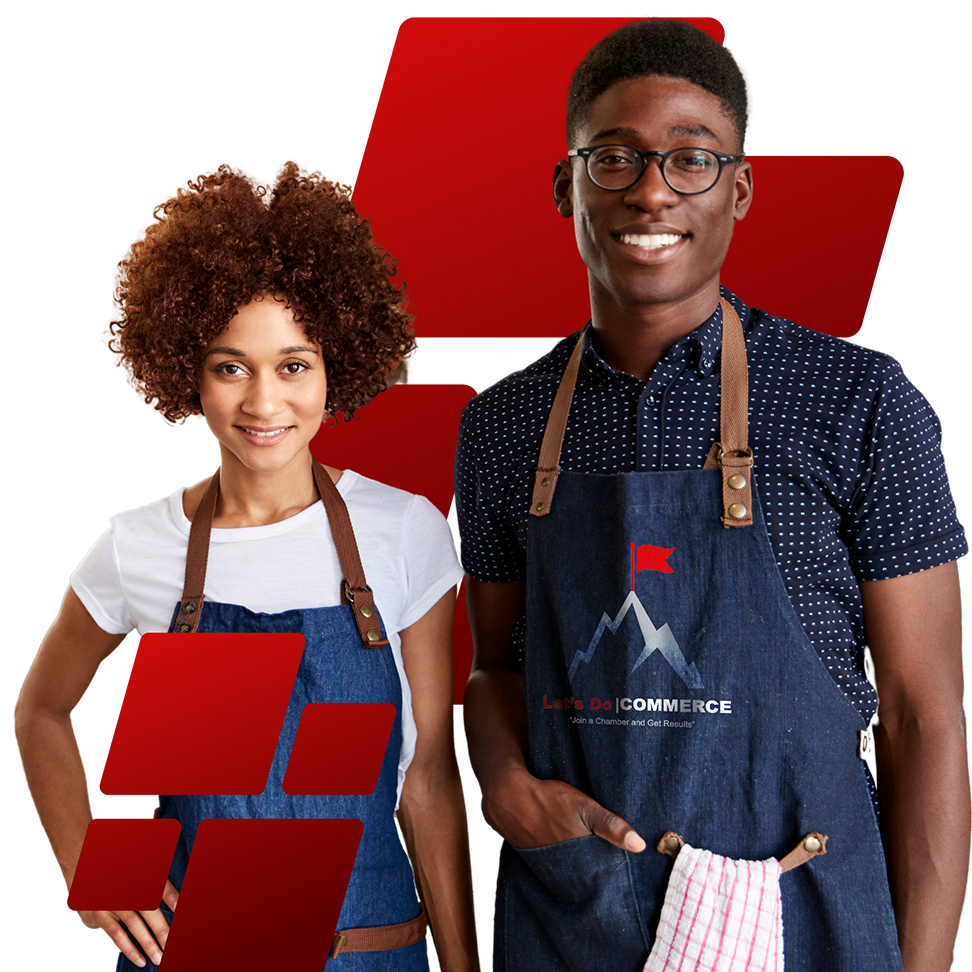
[(848, 463)]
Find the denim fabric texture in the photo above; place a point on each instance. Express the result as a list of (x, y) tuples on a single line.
[(725, 726), (334, 668)]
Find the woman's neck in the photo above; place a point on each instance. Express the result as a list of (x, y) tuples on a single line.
[(249, 497)]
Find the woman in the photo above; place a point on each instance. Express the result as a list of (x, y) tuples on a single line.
[(265, 312)]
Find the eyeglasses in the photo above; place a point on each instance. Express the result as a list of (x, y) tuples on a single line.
[(688, 171)]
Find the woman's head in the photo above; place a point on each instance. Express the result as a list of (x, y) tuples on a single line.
[(226, 241)]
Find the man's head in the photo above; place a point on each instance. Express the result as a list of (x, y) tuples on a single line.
[(667, 48), (655, 179)]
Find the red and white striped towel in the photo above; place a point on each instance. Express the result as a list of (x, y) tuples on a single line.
[(719, 916)]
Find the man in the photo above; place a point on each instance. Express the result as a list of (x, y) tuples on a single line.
[(666, 647)]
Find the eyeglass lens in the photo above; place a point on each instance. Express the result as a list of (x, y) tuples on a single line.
[(686, 170)]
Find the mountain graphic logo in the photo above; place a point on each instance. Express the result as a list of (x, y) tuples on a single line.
[(645, 557)]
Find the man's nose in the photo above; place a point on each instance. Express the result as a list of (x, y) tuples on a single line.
[(651, 191)]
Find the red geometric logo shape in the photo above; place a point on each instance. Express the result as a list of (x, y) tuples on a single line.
[(124, 865), (339, 748), (193, 713), (262, 895)]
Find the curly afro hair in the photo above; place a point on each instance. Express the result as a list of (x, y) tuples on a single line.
[(227, 240), (669, 48)]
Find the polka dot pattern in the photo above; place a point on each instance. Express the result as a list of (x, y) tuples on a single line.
[(848, 463)]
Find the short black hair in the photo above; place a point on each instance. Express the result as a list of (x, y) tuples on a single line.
[(668, 48)]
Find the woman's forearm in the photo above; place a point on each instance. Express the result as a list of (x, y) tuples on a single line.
[(57, 782), (433, 819)]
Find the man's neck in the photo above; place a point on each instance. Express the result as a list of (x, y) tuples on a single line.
[(634, 338)]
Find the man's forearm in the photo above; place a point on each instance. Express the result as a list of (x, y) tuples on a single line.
[(924, 789)]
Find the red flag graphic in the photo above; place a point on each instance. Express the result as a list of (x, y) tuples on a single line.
[(648, 557)]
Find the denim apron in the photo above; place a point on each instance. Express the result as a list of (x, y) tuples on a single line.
[(346, 659), (668, 676)]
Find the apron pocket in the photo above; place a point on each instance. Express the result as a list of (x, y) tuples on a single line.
[(574, 904)]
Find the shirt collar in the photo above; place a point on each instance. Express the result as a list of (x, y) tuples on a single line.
[(702, 345)]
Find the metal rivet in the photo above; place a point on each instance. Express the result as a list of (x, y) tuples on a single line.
[(190, 607), (374, 635), (367, 611), (672, 844), (737, 481), (737, 511), (545, 481), (812, 845), (183, 626), (539, 506)]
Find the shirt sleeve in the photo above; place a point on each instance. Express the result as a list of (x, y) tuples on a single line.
[(902, 517), (490, 550), (429, 563), (97, 582)]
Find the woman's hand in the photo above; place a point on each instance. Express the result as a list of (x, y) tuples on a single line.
[(148, 928), (529, 812)]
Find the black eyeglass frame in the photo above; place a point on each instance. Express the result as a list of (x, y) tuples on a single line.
[(721, 157)]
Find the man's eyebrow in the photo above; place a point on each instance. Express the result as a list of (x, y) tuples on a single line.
[(615, 133), (676, 131), (691, 131)]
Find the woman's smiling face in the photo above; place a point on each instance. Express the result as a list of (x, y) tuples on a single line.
[(264, 387)]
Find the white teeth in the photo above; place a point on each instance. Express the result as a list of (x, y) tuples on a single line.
[(653, 242), (263, 435)]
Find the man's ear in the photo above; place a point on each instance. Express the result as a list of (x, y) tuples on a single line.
[(743, 188), (563, 180)]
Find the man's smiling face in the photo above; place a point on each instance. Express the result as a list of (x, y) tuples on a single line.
[(649, 244)]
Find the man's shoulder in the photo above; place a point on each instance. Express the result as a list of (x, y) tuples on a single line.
[(777, 341)]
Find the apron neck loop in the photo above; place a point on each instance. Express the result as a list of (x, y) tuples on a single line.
[(354, 591), (731, 453), (197, 557)]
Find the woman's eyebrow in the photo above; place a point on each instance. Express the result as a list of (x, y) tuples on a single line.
[(237, 353)]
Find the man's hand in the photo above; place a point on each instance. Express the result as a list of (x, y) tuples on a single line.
[(148, 928), (524, 810), (529, 812)]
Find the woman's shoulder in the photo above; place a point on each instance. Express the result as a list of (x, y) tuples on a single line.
[(164, 516), (360, 492), (398, 517)]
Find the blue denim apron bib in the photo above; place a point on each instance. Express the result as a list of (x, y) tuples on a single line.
[(668, 676), (346, 659)]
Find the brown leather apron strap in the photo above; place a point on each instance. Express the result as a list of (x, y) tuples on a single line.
[(197, 557), (813, 845), (381, 938), (355, 590), (731, 453), (548, 468), (734, 455)]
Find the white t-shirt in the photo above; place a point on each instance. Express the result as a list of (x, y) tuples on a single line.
[(132, 577)]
